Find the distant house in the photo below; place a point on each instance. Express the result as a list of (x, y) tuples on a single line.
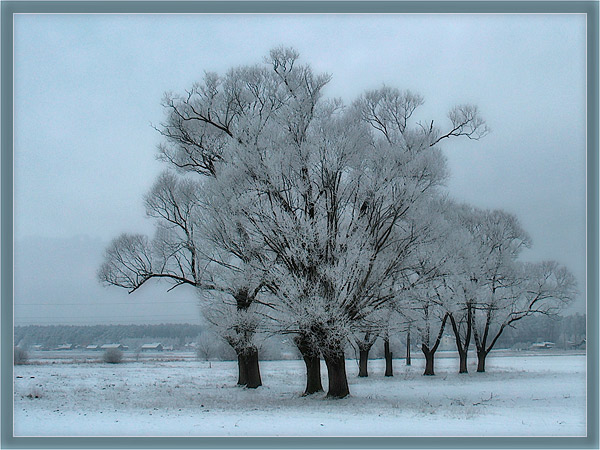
[(154, 347), (93, 347), (117, 346), (65, 347), (37, 347), (542, 345), (168, 348)]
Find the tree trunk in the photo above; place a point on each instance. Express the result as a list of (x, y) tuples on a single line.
[(408, 349), (462, 349), (481, 354), (389, 370), (429, 354), (462, 356), (363, 362), (252, 368), (242, 370), (313, 365), (313, 375), (336, 373)]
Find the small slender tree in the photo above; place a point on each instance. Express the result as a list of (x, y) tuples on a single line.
[(390, 324)]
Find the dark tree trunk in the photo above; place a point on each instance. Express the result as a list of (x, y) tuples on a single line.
[(363, 363), (313, 375), (463, 348), (462, 356), (430, 352), (481, 354), (242, 370), (313, 365), (389, 370), (252, 368), (428, 360), (408, 349), (482, 350), (336, 373), (248, 366)]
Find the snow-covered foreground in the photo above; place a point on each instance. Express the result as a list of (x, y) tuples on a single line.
[(519, 396)]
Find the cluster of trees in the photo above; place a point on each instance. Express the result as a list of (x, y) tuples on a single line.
[(298, 215)]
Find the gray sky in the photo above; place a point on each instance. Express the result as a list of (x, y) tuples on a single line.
[(88, 88)]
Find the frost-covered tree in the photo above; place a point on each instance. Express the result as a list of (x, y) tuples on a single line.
[(133, 259), (440, 282), (364, 335), (387, 330), (309, 210), (424, 306), (460, 280), (461, 318), (182, 253), (506, 289), (216, 114), (424, 298), (341, 205)]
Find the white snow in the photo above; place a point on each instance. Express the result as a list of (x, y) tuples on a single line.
[(531, 395)]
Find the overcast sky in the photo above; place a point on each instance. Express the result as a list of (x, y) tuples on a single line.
[(88, 88)]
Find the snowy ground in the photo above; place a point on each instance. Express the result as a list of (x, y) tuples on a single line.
[(525, 395)]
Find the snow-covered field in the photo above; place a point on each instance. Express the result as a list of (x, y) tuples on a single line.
[(525, 395)]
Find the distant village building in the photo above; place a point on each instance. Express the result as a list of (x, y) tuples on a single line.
[(93, 347), (65, 347), (168, 348), (117, 346), (542, 345), (154, 347)]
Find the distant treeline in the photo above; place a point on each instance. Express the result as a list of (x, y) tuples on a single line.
[(53, 335), (561, 330)]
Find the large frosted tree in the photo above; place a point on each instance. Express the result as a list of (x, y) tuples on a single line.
[(339, 196), (303, 206)]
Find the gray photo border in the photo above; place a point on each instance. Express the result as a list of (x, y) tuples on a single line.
[(9, 8)]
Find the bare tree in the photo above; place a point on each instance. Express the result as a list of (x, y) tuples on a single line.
[(364, 342), (429, 293), (461, 278), (507, 289), (207, 346)]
